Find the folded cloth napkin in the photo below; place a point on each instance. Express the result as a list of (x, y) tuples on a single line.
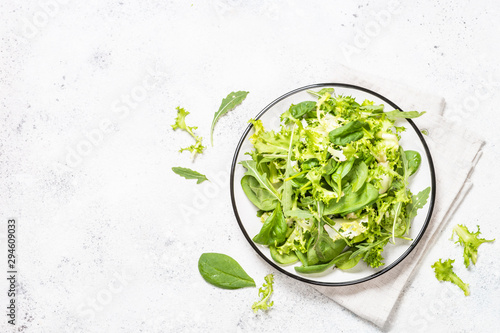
[(449, 144)]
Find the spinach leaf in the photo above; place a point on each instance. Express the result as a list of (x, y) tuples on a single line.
[(230, 102), (302, 108), (273, 232), (352, 201), (284, 259), (318, 268), (326, 249), (259, 196), (342, 171), (343, 260), (414, 159), (309, 164), (360, 175), (312, 256), (396, 114), (189, 174), (223, 271), (343, 135)]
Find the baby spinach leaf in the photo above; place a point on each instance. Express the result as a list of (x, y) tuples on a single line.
[(302, 108), (343, 135), (189, 174), (284, 259), (342, 171), (345, 262), (223, 271), (327, 249), (312, 256), (309, 164), (352, 201), (360, 175), (414, 159), (310, 269), (259, 196), (230, 102), (273, 232), (396, 114)]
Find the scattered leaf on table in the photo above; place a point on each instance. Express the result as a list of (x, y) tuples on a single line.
[(189, 174), (230, 102)]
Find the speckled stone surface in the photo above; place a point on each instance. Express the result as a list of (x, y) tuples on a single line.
[(109, 237)]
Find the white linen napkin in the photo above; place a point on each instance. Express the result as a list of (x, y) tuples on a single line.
[(449, 144)]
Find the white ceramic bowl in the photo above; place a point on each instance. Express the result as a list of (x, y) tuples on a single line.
[(411, 139)]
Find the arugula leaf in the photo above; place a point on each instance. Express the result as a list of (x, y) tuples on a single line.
[(230, 102), (302, 214), (396, 114), (180, 122), (444, 272), (251, 167), (223, 271), (322, 92), (417, 202), (189, 174), (470, 242), (371, 252), (258, 195), (405, 174), (265, 293), (287, 185), (273, 232)]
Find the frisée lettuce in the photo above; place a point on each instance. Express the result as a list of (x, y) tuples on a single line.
[(331, 184)]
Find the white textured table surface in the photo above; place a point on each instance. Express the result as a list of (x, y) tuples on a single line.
[(109, 237)]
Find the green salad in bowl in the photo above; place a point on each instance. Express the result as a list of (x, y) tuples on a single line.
[(331, 185)]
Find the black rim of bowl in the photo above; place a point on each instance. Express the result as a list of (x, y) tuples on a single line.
[(346, 283)]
